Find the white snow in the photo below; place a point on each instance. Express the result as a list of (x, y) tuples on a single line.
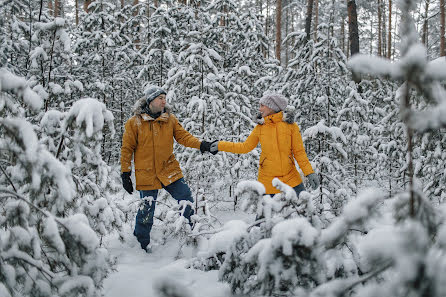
[(295, 231), (92, 114), (13, 83), (221, 241), (142, 274)]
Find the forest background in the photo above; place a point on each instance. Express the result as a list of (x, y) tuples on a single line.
[(72, 71)]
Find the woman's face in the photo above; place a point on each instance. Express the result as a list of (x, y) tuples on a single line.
[(265, 110)]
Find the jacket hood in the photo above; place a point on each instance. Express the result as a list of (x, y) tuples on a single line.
[(140, 105), (288, 115)]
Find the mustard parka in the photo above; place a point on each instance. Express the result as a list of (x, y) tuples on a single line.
[(281, 143), (150, 141)]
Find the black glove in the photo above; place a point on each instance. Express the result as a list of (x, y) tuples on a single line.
[(127, 182), (205, 146)]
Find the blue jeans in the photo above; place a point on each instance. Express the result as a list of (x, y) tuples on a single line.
[(144, 218), (299, 188)]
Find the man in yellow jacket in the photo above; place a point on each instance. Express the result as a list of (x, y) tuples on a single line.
[(281, 144), (148, 139)]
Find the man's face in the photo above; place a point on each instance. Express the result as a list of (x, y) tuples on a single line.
[(265, 110), (157, 104)]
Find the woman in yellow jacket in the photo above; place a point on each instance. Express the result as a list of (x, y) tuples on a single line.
[(281, 144)]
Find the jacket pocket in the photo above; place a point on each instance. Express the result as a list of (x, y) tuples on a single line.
[(144, 177)]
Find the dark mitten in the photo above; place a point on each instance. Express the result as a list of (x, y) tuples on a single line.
[(127, 182), (205, 146)]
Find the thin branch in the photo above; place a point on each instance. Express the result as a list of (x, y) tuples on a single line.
[(7, 177)]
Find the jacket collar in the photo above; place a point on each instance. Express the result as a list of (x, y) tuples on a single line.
[(274, 118), (162, 118), (286, 116)]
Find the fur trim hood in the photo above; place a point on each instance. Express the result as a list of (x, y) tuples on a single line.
[(288, 116), (141, 104)]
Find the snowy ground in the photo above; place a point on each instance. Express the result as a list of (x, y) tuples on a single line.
[(137, 272)]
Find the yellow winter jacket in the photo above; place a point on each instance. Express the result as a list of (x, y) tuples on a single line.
[(281, 143), (150, 141)]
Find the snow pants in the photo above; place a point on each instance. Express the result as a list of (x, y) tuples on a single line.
[(179, 190)]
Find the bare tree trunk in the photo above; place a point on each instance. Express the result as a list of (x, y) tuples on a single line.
[(316, 18), (371, 35), (379, 28), (50, 7), (155, 2), (77, 11), (353, 27), (343, 34), (267, 26), (442, 29), (138, 25), (278, 28), (308, 18), (384, 29), (424, 37), (122, 3), (389, 36), (286, 34), (56, 8)]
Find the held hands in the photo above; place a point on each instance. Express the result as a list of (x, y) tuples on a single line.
[(211, 147), (313, 180), (127, 182)]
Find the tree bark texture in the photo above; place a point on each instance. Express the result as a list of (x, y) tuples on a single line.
[(379, 28), (316, 18), (77, 11), (50, 7), (424, 37), (56, 8), (353, 27), (308, 18), (442, 29), (389, 35), (278, 28)]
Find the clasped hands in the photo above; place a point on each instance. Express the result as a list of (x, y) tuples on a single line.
[(211, 147)]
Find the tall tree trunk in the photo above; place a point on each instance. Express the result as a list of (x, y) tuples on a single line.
[(424, 37), (50, 7), (442, 29), (343, 34), (308, 18), (267, 26), (56, 8), (371, 35), (77, 11), (384, 29), (353, 27), (155, 2), (122, 4), (379, 28), (389, 35), (316, 18), (278, 28), (287, 22), (138, 25)]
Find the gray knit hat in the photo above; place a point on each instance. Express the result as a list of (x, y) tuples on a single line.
[(152, 92), (275, 101)]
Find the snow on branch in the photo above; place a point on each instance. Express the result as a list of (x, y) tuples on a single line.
[(90, 114), (19, 86)]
